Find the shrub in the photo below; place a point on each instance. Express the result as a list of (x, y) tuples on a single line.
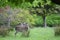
[(4, 31), (57, 31)]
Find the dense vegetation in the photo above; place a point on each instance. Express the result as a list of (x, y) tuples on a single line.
[(41, 10), (37, 13), (35, 34)]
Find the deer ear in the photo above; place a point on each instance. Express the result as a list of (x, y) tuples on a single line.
[(56, 1)]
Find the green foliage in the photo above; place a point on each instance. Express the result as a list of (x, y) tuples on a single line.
[(20, 3), (23, 16), (53, 19), (4, 31), (38, 20), (45, 8), (41, 2), (57, 31), (3, 18), (16, 2), (3, 3), (33, 19), (25, 5), (42, 8), (35, 34)]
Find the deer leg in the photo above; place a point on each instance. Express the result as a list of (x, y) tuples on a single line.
[(16, 33), (27, 33), (23, 33)]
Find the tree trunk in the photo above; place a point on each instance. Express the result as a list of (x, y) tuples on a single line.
[(44, 21), (9, 21)]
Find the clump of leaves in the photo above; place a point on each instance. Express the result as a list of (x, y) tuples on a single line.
[(57, 31), (4, 31)]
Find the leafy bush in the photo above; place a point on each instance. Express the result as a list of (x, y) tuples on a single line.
[(23, 16), (4, 32), (57, 31), (53, 19)]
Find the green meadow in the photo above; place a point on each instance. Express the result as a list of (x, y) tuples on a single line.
[(35, 34)]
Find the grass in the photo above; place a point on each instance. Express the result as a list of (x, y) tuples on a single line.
[(35, 34)]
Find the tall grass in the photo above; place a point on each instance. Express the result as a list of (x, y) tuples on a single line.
[(35, 34)]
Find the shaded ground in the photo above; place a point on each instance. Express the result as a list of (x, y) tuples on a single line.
[(35, 34)]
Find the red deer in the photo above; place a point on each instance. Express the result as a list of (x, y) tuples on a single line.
[(24, 28)]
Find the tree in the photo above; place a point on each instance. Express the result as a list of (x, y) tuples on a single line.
[(44, 8)]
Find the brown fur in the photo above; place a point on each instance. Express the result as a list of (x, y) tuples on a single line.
[(24, 28)]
